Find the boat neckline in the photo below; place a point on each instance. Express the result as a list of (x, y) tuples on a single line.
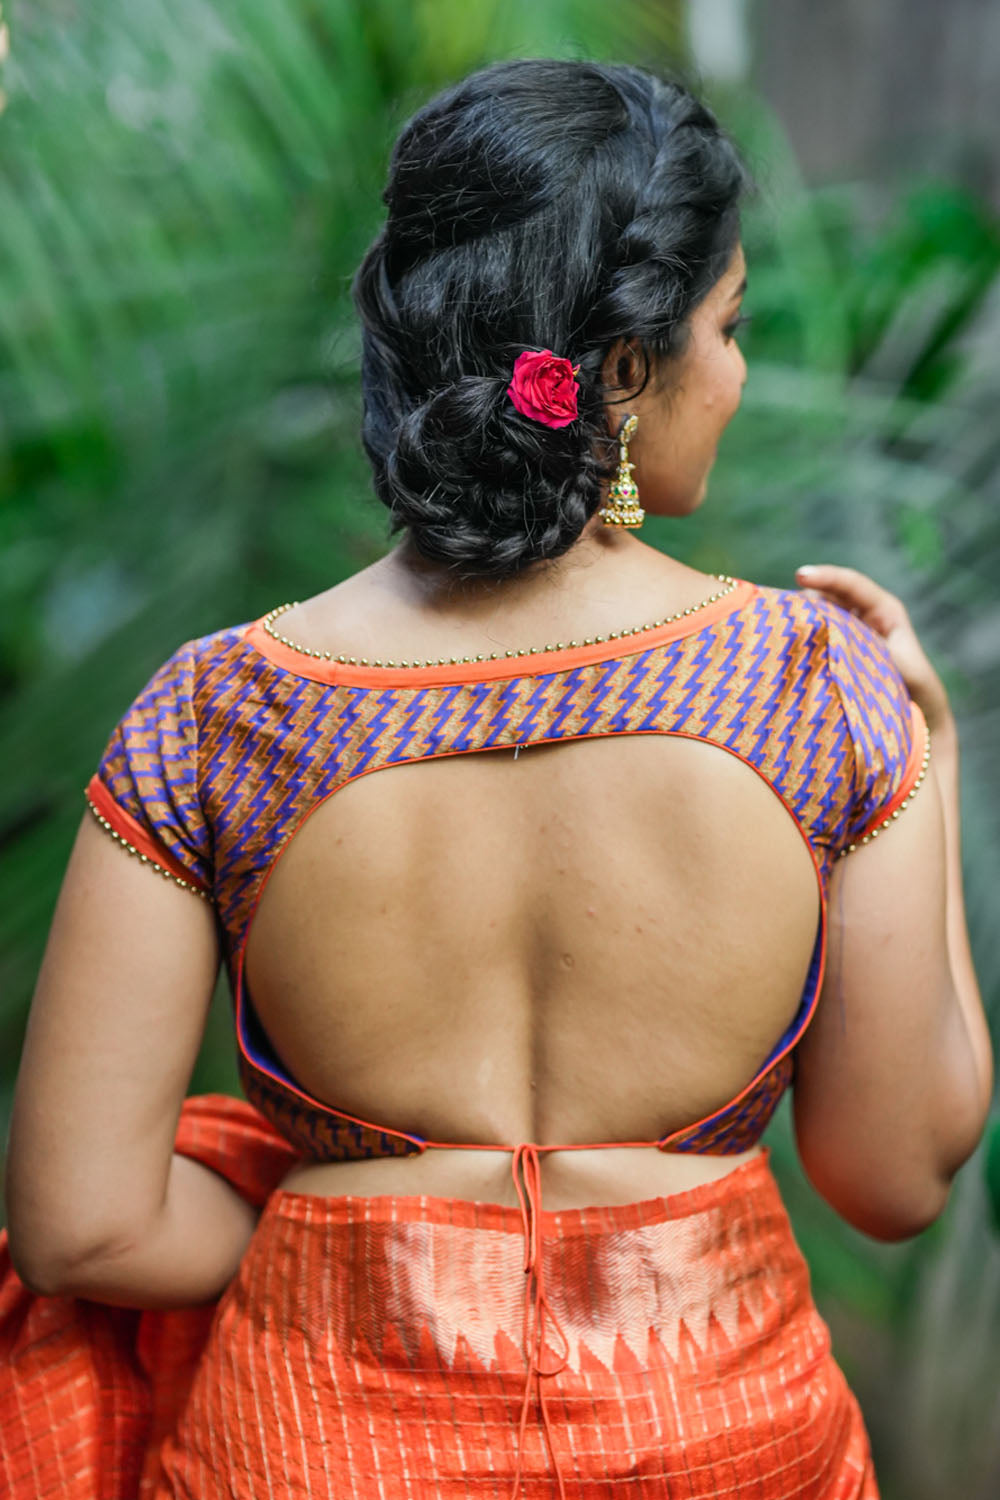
[(535, 663)]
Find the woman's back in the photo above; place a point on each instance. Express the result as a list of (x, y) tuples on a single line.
[(596, 935), (589, 905), (594, 941)]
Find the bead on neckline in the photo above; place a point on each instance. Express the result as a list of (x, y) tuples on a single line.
[(456, 661)]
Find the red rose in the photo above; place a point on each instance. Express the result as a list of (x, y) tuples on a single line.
[(543, 388)]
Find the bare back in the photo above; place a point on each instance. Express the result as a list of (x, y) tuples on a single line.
[(597, 940)]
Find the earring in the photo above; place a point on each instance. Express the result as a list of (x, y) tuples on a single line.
[(623, 508)]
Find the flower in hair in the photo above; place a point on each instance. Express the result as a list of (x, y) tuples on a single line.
[(543, 387)]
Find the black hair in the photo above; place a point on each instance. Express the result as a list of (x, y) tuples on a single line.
[(536, 204)]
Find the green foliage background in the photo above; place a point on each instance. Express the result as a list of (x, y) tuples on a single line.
[(185, 191)]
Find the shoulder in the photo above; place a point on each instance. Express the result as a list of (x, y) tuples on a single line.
[(178, 685), (793, 611), (203, 655), (146, 788), (847, 646), (885, 729), (159, 728), (789, 632), (844, 690), (853, 658)]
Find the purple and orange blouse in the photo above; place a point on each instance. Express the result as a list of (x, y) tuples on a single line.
[(241, 734)]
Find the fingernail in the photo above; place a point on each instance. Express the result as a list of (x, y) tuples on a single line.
[(806, 568)]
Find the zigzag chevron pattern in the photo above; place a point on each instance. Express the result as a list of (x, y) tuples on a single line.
[(224, 753)]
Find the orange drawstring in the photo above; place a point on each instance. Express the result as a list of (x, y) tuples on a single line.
[(526, 1171), (525, 1165)]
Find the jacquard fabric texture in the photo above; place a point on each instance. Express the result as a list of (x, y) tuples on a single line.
[(371, 1347), (384, 1335), (88, 1393), (237, 738)]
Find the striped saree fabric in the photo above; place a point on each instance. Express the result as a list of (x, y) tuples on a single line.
[(373, 1347)]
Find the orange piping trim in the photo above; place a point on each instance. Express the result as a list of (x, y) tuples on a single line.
[(129, 828), (536, 664), (911, 771)]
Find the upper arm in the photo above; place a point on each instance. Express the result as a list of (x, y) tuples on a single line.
[(121, 999), (867, 1067), (875, 1108)]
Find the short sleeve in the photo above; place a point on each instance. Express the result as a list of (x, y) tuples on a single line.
[(888, 733), (145, 791)]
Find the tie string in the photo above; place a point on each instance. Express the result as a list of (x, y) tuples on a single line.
[(527, 1174)]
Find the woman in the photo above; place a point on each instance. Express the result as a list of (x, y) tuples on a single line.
[(474, 995)]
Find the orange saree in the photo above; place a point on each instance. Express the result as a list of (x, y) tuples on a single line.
[(374, 1347)]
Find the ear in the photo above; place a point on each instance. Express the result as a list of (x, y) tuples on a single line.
[(622, 373), (624, 368)]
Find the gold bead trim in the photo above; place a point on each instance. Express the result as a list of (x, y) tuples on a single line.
[(460, 661), (896, 811), (144, 859)]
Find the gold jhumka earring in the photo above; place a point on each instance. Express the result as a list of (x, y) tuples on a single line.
[(623, 508)]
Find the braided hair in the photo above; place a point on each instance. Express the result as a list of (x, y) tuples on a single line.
[(535, 204)]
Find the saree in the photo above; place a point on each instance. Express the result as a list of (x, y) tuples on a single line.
[(373, 1346)]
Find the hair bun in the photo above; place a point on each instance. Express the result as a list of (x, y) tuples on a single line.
[(535, 206), (481, 487)]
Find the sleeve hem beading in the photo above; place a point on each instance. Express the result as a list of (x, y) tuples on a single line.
[(129, 833), (914, 773)]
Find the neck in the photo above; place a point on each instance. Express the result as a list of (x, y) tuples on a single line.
[(431, 585)]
